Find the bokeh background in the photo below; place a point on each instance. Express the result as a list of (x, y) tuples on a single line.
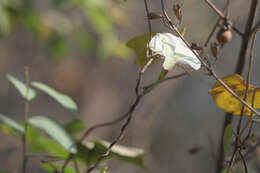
[(77, 47)]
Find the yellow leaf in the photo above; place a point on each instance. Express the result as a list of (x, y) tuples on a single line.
[(229, 103)]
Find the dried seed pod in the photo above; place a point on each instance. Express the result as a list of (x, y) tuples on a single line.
[(214, 49), (177, 11), (153, 16), (224, 35)]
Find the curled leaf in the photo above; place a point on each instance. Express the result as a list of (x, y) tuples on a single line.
[(229, 103)]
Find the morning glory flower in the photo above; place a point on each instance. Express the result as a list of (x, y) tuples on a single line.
[(174, 50)]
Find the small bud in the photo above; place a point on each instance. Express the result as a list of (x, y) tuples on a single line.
[(153, 16), (195, 46), (177, 11), (214, 49), (224, 35)]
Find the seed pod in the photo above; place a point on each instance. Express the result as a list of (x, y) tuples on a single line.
[(177, 11), (153, 16), (214, 49), (224, 35)]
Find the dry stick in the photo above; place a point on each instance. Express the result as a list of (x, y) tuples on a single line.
[(128, 114), (249, 121), (239, 69), (250, 62), (26, 110), (209, 68), (212, 32), (206, 66), (89, 131), (237, 144), (250, 150), (227, 11), (227, 8), (164, 80), (139, 79), (246, 125), (220, 14), (243, 160)]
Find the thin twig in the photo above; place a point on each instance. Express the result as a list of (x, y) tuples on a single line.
[(255, 28), (165, 79), (223, 17), (212, 32), (214, 8), (243, 160), (148, 20), (208, 68), (237, 143), (246, 37), (239, 69), (26, 110)]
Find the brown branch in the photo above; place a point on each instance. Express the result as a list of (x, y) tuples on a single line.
[(208, 67), (239, 69), (243, 160), (223, 17), (212, 32)]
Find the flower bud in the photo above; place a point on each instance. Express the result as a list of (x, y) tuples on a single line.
[(214, 49), (224, 35)]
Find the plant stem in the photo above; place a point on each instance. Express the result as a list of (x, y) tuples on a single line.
[(26, 110), (238, 70)]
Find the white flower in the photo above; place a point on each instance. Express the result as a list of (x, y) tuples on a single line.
[(174, 50)]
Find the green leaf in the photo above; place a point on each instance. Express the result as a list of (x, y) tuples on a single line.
[(139, 45), (54, 130), (40, 143), (74, 127), (13, 124), (21, 87), (63, 99), (183, 31), (227, 139), (53, 167), (89, 152)]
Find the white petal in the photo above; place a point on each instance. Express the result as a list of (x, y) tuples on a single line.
[(192, 61), (163, 44), (169, 63), (156, 44), (174, 50), (182, 49)]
